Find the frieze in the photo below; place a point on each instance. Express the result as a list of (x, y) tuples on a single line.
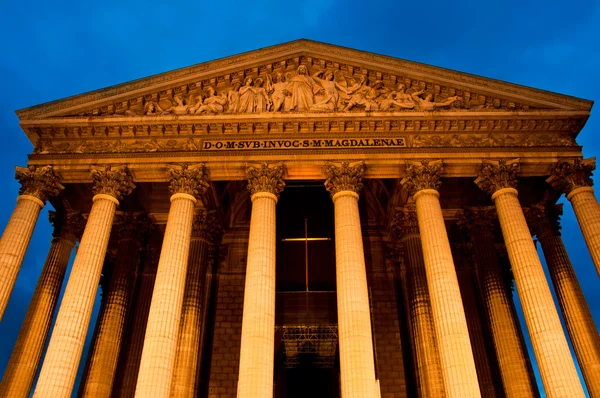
[(218, 145)]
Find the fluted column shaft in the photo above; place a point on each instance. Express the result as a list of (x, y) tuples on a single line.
[(452, 334), (14, 243), (104, 352), (37, 184), (428, 362), (576, 313), (24, 360), (507, 343), (357, 365), (129, 362), (160, 343), (188, 348), (68, 337), (548, 340), (59, 369), (587, 212), (258, 321)]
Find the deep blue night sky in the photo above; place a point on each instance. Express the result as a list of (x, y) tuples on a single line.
[(51, 50)]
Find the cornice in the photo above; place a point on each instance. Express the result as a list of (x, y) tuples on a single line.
[(297, 49)]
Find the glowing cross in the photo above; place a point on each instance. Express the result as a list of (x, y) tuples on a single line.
[(305, 240)]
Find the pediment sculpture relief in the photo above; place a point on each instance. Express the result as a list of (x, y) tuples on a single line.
[(301, 88)]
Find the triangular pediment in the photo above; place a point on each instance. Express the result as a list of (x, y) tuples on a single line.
[(304, 77)]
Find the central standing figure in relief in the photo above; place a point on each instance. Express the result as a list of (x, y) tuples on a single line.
[(301, 89)]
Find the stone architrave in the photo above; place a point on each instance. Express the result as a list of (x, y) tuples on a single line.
[(512, 357), (37, 185), (576, 313), (357, 366), (205, 232), (452, 334), (575, 180), (59, 370), (131, 353), (98, 379), (25, 358), (429, 373), (257, 347), (187, 184), (559, 377)]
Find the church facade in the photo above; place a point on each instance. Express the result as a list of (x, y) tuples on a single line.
[(304, 220)]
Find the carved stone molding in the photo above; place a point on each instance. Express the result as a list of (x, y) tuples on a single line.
[(478, 220), (422, 175), (135, 226), (544, 218), (206, 226), (568, 176), (40, 182), (345, 177), (405, 222), (67, 225), (495, 175), (191, 180), (263, 178), (112, 180)]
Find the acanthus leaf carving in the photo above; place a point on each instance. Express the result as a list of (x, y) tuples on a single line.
[(544, 218), (67, 224), (40, 182), (405, 222), (478, 220), (191, 180), (568, 176), (422, 175), (206, 226), (498, 174), (345, 177), (135, 226), (115, 181), (263, 178)]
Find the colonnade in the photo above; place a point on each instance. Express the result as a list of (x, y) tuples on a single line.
[(170, 350)]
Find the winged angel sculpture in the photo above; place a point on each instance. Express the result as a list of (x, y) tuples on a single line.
[(324, 91)]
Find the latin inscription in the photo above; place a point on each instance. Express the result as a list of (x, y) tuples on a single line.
[(224, 145)]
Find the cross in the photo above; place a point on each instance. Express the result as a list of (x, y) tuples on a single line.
[(305, 240)]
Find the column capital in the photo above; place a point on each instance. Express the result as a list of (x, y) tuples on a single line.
[(570, 175), (188, 179), (498, 174), (115, 181), (40, 182), (405, 222), (68, 225), (345, 177), (206, 226), (136, 226), (262, 178), (422, 175), (544, 218), (478, 220)]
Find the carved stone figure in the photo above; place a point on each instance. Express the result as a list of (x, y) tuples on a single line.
[(277, 88), (397, 98), (427, 103), (253, 98), (301, 89), (233, 98), (213, 103), (367, 97), (179, 106), (263, 101), (153, 109), (331, 95)]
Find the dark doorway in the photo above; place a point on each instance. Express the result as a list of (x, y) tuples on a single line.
[(310, 381), (308, 201)]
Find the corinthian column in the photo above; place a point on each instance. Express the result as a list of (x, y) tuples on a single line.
[(160, 345), (257, 349), (577, 315), (357, 365), (574, 179), (406, 226), (104, 352), (479, 224), (204, 233), (26, 355), (452, 334), (37, 185), (554, 360), (68, 337)]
